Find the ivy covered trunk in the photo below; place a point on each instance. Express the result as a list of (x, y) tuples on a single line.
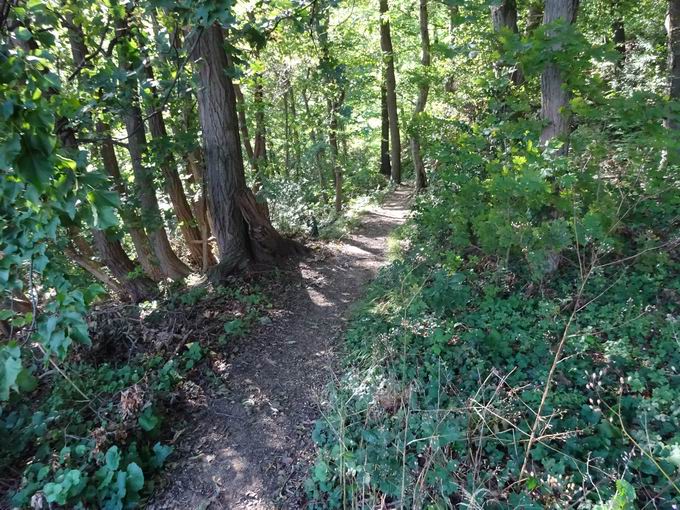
[(554, 95), (242, 232), (391, 89)]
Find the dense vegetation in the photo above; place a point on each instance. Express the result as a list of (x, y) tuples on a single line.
[(521, 350)]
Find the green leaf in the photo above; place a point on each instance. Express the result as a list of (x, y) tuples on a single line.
[(160, 453), (9, 150), (23, 34), (135, 478), (147, 420), (10, 367), (26, 382), (112, 458), (34, 168)]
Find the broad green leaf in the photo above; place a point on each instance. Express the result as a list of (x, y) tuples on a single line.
[(135, 478), (10, 367), (112, 458)]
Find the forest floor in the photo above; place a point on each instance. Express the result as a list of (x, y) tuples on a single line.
[(250, 446)]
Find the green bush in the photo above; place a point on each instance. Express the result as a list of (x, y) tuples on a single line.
[(511, 252)]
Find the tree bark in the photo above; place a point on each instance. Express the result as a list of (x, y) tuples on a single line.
[(450, 85), (554, 96), (243, 125), (294, 128), (534, 16), (95, 270), (286, 130), (391, 89), (385, 167), (137, 287), (334, 110), (619, 31), (243, 234), (112, 254), (174, 187), (421, 102), (504, 17), (171, 266), (672, 120), (111, 251), (260, 149), (132, 221), (318, 157), (673, 31)]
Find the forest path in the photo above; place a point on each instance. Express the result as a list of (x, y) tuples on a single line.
[(251, 447)]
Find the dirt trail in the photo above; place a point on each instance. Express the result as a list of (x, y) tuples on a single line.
[(251, 447)]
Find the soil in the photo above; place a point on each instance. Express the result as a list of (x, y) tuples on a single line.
[(249, 446)]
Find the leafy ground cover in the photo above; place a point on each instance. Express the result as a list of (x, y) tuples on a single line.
[(99, 432), (522, 350)]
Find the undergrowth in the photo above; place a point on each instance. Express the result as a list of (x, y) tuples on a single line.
[(522, 349), (97, 434)]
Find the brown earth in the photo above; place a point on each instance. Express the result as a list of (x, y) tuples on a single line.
[(250, 446)]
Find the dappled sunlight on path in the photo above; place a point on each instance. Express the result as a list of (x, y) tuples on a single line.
[(251, 447)]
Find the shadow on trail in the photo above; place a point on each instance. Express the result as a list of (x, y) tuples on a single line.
[(251, 447)]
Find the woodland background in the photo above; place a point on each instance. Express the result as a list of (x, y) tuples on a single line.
[(522, 348)]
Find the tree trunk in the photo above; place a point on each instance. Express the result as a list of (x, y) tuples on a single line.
[(391, 88), (673, 30), (534, 16), (243, 234), (619, 31), (504, 17), (421, 102), (173, 184), (334, 110), (294, 128), (385, 167), (243, 124), (286, 131), (318, 157), (672, 120), (195, 164), (110, 250), (171, 266), (554, 96), (137, 287), (260, 149), (450, 85), (132, 222)]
